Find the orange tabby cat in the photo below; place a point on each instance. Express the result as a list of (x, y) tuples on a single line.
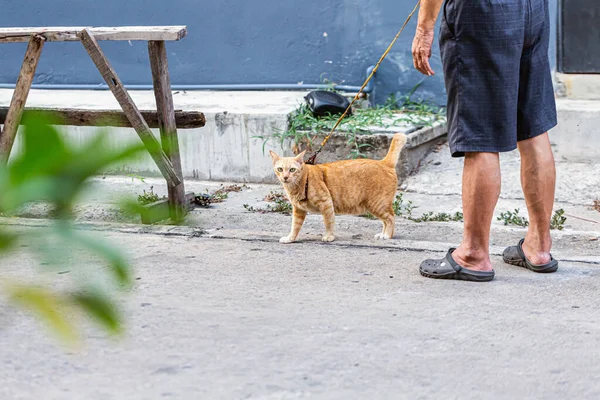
[(342, 187)]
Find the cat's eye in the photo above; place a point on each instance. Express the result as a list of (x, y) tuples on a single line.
[(292, 169), (279, 169)]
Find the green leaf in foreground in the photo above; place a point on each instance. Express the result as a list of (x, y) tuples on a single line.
[(6, 240), (47, 305), (49, 169), (116, 261), (101, 309)]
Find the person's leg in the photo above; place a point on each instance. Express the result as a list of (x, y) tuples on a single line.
[(535, 116), (482, 73), (480, 191), (538, 179)]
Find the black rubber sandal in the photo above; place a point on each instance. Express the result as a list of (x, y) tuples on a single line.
[(514, 255), (447, 268)]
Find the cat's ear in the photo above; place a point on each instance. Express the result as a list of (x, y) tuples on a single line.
[(274, 156), (300, 157)]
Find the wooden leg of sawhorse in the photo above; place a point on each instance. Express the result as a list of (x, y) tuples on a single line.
[(19, 98), (129, 108), (166, 122)]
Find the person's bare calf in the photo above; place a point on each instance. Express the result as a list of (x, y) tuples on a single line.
[(538, 180), (480, 192)]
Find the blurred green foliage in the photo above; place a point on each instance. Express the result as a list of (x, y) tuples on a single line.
[(50, 170)]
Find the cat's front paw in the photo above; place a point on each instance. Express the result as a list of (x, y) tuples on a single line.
[(382, 236), (286, 239), (328, 238)]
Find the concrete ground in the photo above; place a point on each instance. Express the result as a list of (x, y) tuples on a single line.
[(249, 318), (221, 310)]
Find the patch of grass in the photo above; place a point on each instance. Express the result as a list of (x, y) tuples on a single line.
[(222, 194), (276, 197), (558, 220), (302, 125), (223, 190), (439, 217), (281, 204), (401, 209), (149, 197), (513, 218), (405, 209)]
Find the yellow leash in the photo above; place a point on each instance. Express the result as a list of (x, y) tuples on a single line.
[(312, 158)]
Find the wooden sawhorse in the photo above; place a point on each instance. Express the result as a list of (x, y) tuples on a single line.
[(167, 155)]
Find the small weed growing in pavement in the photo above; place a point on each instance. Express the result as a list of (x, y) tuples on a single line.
[(223, 190), (513, 218), (368, 215), (149, 197), (136, 176), (401, 209), (439, 217), (558, 220), (275, 197), (596, 205), (282, 205), (218, 196)]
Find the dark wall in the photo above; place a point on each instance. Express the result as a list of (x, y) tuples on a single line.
[(234, 41)]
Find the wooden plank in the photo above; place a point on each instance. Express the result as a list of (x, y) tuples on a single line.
[(91, 117), (160, 210), (166, 121), (19, 98), (66, 34), (129, 108)]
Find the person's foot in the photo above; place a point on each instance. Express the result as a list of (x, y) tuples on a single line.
[(449, 268), (474, 260), (536, 253), (515, 255)]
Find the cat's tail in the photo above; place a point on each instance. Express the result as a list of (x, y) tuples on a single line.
[(398, 142)]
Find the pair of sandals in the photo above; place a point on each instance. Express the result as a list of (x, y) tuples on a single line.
[(448, 268)]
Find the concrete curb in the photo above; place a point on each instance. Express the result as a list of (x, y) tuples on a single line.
[(260, 236)]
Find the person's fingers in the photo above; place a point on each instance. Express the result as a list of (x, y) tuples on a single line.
[(421, 55), (417, 62), (420, 67), (430, 70), (427, 68), (424, 61)]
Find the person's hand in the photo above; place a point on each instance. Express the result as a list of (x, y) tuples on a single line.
[(421, 50)]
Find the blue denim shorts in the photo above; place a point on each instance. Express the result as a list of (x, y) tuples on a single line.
[(497, 73)]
